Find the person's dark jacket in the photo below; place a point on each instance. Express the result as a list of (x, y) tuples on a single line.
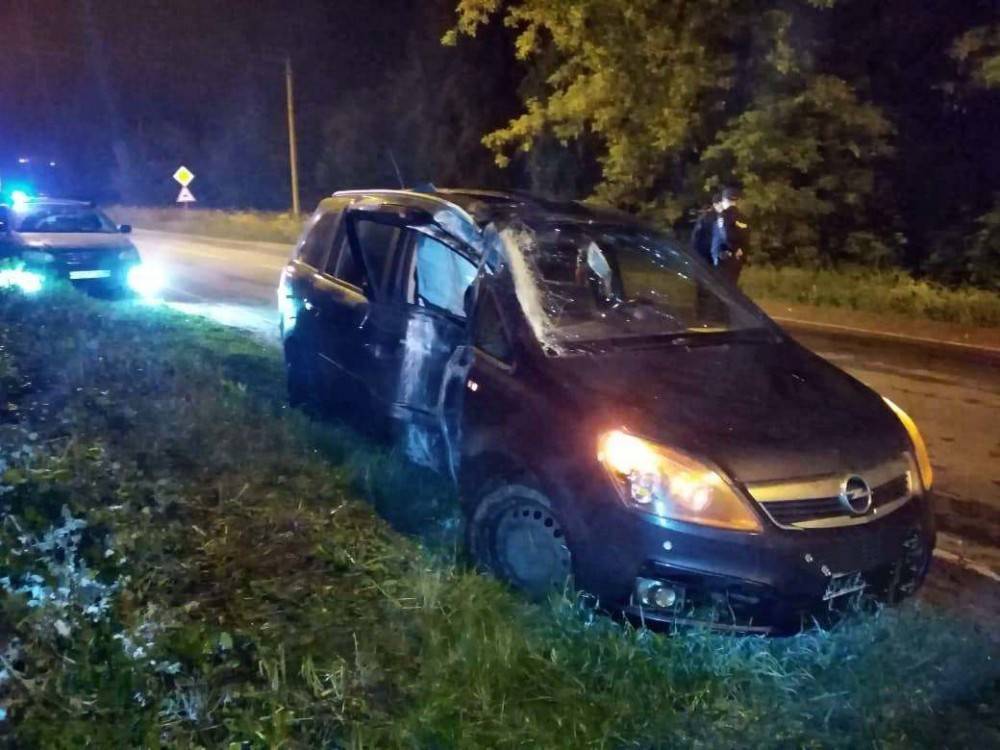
[(730, 236)]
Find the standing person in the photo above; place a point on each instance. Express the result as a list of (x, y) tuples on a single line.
[(702, 242), (730, 236), (704, 229)]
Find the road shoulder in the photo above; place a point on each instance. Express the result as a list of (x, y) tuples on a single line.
[(836, 320)]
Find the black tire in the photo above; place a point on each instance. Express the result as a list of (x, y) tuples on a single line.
[(514, 534)]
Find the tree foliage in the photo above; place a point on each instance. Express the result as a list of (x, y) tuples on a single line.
[(972, 253), (683, 96), (805, 163), (978, 52), (418, 114)]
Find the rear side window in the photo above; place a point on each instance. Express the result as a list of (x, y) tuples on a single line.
[(319, 240), (341, 264), (378, 244)]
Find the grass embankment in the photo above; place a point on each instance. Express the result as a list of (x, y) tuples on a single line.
[(874, 291), (188, 564), (256, 226)]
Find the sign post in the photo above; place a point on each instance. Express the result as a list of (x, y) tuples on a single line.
[(184, 177)]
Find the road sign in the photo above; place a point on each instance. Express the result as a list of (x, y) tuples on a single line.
[(183, 175), (185, 196)]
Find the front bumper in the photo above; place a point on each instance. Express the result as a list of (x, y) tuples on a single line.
[(97, 275), (766, 582)]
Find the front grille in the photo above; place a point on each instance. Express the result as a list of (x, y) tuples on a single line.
[(80, 257), (890, 491), (791, 512), (814, 502)]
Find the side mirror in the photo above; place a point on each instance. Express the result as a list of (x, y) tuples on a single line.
[(125, 228)]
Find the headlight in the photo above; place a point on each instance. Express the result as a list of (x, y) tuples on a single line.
[(37, 256), (919, 447), (146, 280), (669, 484), (26, 281)]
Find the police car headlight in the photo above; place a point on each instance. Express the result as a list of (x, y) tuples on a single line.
[(18, 278), (146, 280), (669, 484), (919, 446)]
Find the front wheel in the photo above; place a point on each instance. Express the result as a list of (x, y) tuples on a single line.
[(515, 534)]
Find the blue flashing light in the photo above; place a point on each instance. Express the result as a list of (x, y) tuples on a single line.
[(19, 197)]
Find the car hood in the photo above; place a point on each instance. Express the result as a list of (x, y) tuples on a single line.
[(761, 411), (59, 241)]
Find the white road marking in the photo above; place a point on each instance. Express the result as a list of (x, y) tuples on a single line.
[(967, 564), (967, 554)]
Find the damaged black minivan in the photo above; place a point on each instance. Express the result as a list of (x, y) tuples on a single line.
[(611, 411)]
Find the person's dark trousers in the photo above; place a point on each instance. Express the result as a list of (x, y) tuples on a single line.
[(731, 268)]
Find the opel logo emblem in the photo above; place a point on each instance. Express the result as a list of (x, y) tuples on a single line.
[(856, 495)]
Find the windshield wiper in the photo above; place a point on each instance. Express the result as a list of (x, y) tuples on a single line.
[(689, 338)]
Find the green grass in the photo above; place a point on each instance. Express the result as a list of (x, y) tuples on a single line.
[(258, 226), (874, 291), (243, 592)]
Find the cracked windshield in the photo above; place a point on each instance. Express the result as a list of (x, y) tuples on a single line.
[(606, 284)]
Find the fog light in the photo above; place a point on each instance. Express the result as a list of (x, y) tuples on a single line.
[(145, 280), (664, 597), (657, 594)]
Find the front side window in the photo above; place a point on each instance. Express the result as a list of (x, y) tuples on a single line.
[(599, 283), (62, 220), (441, 276)]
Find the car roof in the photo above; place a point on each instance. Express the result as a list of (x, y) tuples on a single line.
[(480, 207), (54, 202)]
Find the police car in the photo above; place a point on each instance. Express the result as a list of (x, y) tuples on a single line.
[(45, 239)]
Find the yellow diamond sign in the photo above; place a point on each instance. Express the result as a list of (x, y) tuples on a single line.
[(183, 175)]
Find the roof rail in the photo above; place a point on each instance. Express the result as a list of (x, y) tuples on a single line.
[(412, 194)]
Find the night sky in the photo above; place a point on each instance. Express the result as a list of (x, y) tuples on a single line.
[(78, 77), (77, 74)]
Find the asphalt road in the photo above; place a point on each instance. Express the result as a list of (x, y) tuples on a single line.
[(954, 398)]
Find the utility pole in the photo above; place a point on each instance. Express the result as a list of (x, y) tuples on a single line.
[(293, 159)]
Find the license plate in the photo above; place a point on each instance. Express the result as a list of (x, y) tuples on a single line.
[(97, 274), (843, 584)]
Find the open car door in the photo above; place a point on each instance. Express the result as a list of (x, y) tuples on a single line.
[(416, 354)]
